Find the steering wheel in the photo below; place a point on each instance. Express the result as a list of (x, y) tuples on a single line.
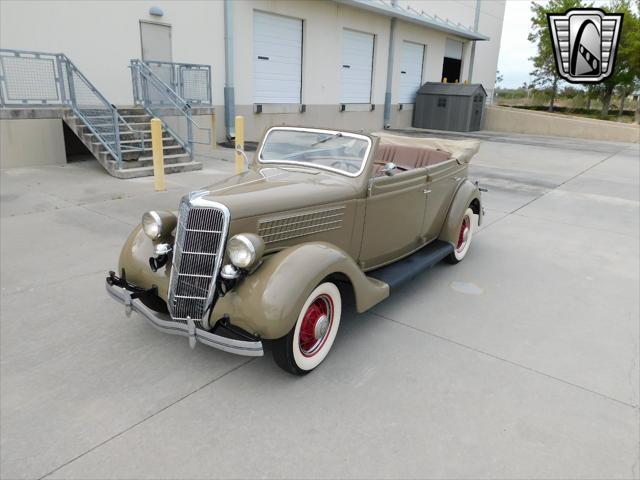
[(348, 166)]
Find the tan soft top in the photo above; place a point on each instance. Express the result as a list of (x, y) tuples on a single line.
[(461, 150)]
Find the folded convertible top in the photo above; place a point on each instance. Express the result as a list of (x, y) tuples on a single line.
[(461, 150)]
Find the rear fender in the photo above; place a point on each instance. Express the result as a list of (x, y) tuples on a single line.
[(269, 301), (466, 195)]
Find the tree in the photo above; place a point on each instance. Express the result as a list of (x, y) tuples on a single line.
[(545, 75), (499, 77), (627, 64)]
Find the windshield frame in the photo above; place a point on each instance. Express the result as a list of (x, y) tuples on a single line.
[(312, 165)]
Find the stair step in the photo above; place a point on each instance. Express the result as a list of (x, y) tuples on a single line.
[(123, 128), (170, 152), (167, 141), (148, 171), (108, 117), (166, 157)]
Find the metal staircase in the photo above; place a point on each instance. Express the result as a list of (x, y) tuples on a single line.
[(120, 139), (135, 144)]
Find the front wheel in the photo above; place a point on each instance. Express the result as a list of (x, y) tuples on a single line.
[(464, 238), (311, 338)]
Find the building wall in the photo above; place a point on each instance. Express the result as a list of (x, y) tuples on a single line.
[(101, 38), (30, 142)]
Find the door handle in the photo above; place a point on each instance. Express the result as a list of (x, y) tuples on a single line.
[(425, 191)]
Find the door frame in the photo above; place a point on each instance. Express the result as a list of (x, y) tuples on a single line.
[(150, 22)]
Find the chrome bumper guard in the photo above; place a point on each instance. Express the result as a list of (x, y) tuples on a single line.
[(164, 323)]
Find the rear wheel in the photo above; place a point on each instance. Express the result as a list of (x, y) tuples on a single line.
[(311, 338), (464, 237)]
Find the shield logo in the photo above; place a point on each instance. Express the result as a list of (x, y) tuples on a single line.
[(585, 41)]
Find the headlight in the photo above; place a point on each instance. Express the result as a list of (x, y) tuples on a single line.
[(245, 250), (158, 224)]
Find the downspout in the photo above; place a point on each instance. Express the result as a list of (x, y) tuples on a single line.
[(476, 24), (390, 59), (229, 94)]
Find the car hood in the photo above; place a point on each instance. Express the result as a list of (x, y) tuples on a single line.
[(268, 190)]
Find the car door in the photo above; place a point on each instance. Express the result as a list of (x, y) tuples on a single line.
[(442, 182), (394, 213)]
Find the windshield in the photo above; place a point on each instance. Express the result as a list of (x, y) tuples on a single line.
[(330, 150)]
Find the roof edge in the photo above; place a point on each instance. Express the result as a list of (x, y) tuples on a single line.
[(413, 16)]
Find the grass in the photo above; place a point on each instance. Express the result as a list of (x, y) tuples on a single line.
[(626, 117)]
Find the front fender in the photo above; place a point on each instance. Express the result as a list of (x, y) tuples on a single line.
[(268, 302), (134, 261), (466, 194)]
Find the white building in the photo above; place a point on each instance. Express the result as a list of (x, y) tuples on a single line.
[(302, 62)]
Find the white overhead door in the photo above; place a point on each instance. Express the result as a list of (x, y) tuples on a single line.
[(357, 67), (453, 49), (411, 61), (277, 61)]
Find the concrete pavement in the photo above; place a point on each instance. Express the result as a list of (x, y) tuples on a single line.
[(520, 362)]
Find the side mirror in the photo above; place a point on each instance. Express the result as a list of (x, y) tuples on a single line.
[(389, 168)]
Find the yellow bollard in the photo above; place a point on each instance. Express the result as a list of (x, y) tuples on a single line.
[(444, 80), (239, 143), (158, 155)]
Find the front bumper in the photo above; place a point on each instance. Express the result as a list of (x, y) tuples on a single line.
[(164, 323)]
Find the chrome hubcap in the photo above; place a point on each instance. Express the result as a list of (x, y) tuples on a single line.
[(322, 325), (315, 326)]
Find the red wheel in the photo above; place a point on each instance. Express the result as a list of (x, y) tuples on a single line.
[(311, 338), (316, 324), (465, 235)]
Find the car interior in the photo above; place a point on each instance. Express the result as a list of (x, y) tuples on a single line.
[(406, 157)]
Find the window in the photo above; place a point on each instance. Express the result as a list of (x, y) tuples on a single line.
[(277, 58), (411, 62), (442, 102), (356, 69), (452, 63)]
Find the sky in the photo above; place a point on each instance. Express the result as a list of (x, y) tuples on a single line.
[(515, 50)]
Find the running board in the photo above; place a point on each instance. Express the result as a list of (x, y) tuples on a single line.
[(403, 270)]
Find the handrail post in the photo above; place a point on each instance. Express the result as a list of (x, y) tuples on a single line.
[(189, 132), (70, 83), (63, 92), (116, 134)]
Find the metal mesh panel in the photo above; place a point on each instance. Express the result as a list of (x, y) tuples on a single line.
[(196, 258), (195, 84), (29, 79)]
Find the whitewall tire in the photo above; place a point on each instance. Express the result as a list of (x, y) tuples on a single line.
[(312, 336), (468, 224)]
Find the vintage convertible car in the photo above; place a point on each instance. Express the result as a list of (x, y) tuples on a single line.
[(269, 254)]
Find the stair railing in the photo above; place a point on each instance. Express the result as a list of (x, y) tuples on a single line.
[(40, 79), (191, 81), (164, 103)]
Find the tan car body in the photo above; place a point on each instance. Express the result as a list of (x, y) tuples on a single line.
[(372, 221)]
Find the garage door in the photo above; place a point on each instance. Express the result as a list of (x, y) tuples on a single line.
[(411, 61), (277, 61), (356, 68)]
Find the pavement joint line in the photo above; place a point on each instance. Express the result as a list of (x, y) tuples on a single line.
[(84, 207), (148, 417), (506, 360), (106, 215), (573, 225), (599, 162), (52, 283)]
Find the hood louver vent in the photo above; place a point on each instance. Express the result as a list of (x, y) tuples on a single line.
[(305, 223)]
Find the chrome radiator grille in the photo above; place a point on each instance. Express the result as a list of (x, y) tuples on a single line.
[(200, 239)]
